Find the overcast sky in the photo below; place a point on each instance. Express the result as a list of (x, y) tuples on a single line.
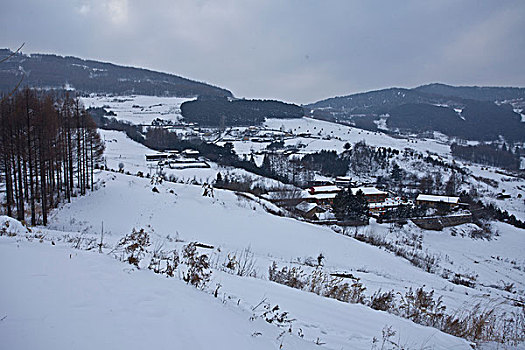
[(297, 50)]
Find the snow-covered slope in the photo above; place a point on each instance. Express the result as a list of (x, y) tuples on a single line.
[(55, 297), (121, 149), (55, 288), (340, 134), (138, 109), (180, 214)]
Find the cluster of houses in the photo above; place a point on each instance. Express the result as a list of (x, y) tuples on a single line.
[(316, 202), (188, 158)]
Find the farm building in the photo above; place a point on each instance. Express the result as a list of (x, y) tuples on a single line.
[(389, 203), (432, 200), (309, 210), (322, 195), (372, 194), (326, 194)]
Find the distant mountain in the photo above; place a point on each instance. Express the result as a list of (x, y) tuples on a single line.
[(480, 93), (86, 76), (476, 113), (374, 102)]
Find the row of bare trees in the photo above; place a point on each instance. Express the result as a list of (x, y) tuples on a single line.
[(49, 147)]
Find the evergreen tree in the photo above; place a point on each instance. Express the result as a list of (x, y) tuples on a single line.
[(396, 172), (350, 207)]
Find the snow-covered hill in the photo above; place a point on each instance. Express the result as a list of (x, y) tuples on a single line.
[(64, 298), (60, 298), (137, 301), (180, 214), (138, 109)]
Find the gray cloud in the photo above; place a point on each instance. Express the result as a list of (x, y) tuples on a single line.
[(296, 50)]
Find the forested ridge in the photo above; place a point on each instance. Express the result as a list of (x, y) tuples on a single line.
[(489, 154), (471, 113), (88, 76), (222, 112), (49, 148)]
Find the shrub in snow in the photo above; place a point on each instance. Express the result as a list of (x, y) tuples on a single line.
[(83, 243), (387, 341), (133, 247), (11, 227), (241, 264), (156, 179), (383, 301), (164, 262), (421, 307), (475, 324), (198, 273), (337, 290), (464, 280), (208, 190), (317, 281), (292, 277), (349, 293), (273, 315)]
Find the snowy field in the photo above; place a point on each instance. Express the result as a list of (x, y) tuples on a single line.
[(60, 298), (138, 109), (121, 149), (341, 134)]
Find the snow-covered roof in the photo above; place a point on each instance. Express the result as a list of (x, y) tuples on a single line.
[(157, 154), (388, 203), (322, 195), (433, 198), (343, 178), (324, 189), (190, 151), (368, 191), (305, 207)]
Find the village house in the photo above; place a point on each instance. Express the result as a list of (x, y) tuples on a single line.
[(309, 210), (324, 195), (324, 189), (343, 181), (433, 201), (372, 194), (190, 153), (379, 208)]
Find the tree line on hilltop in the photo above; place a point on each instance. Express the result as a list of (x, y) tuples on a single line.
[(87, 76), (488, 154), (223, 112)]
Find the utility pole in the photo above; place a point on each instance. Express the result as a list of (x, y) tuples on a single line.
[(101, 239)]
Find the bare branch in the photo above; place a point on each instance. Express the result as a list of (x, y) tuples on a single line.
[(13, 53)]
